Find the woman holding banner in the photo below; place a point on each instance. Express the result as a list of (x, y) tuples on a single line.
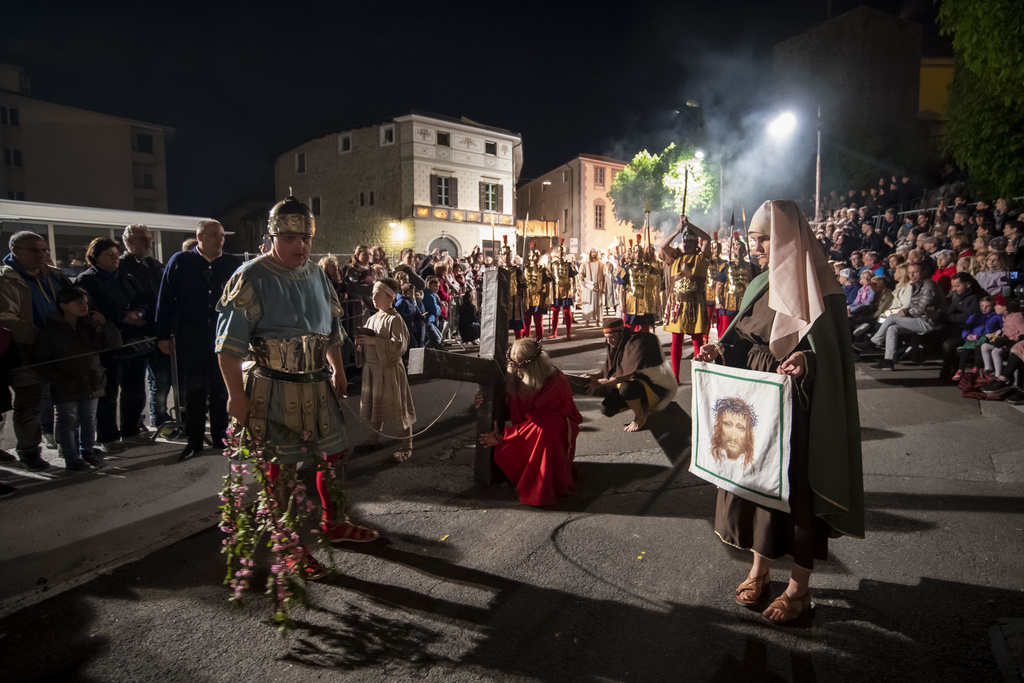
[(793, 321)]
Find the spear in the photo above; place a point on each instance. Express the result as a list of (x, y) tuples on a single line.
[(686, 188), (732, 233)]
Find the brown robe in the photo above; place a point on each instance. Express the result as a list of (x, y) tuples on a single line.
[(745, 524)]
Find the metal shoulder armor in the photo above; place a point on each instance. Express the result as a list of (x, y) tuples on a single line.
[(239, 293)]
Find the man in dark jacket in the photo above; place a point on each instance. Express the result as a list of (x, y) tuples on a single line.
[(138, 261), (965, 302), (192, 284)]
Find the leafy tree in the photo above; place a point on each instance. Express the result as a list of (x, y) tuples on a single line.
[(986, 101), (659, 179)]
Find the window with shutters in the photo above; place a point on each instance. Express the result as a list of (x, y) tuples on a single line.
[(12, 157), (9, 116), (599, 217), (491, 197), (599, 176), (444, 190), (300, 162)]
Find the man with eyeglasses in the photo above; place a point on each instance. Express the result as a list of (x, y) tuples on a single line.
[(28, 292)]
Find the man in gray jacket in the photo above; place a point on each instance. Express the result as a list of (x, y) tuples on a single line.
[(28, 292), (922, 315)]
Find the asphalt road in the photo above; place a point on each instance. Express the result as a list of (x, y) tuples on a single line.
[(116, 576)]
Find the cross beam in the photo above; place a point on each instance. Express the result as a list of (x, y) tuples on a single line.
[(487, 370)]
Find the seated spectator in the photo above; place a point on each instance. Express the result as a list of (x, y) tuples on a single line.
[(964, 302), (68, 348), (894, 261), (946, 269), (920, 317), (850, 286), (873, 264), (979, 262), (965, 265), (975, 333), (961, 244), (865, 295), (856, 262), (996, 273), (868, 319), (995, 349)]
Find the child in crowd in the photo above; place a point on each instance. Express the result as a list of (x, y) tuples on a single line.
[(386, 398), (865, 295), (434, 317), (69, 348), (850, 286), (406, 306), (975, 333), (994, 351)]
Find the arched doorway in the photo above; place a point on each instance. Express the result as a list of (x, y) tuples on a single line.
[(442, 243)]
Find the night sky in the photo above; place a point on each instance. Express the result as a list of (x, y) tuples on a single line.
[(243, 81)]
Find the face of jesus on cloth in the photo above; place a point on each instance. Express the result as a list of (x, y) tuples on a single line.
[(291, 250), (733, 436)]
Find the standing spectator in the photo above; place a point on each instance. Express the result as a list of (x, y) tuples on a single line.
[(191, 288), (379, 262), (122, 300), (415, 321), (434, 314), (68, 347), (138, 262), (407, 264), (359, 279), (28, 294)]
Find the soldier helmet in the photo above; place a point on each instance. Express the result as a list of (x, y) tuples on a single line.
[(291, 217), (561, 249)]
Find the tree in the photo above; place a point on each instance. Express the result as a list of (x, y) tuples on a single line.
[(986, 102), (659, 179)]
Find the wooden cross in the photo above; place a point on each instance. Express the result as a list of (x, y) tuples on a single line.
[(487, 370)]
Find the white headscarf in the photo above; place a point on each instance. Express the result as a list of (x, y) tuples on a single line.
[(799, 276)]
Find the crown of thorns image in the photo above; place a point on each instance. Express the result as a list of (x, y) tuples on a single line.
[(736, 438)]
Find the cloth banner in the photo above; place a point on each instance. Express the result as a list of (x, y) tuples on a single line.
[(741, 428)]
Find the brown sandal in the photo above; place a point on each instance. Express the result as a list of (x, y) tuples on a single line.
[(788, 606), (754, 586)]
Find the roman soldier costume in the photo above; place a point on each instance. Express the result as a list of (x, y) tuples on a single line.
[(642, 282), (535, 294), (563, 274)]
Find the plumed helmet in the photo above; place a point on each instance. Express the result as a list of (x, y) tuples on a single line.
[(506, 250), (561, 249), (291, 217)]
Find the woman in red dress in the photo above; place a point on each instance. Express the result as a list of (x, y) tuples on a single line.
[(536, 451)]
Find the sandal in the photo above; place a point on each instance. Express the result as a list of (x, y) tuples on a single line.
[(402, 454), (791, 614), (753, 586), (348, 532)]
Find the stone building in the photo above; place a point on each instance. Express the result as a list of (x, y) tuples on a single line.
[(421, 180), (62, 155), (574, 196)]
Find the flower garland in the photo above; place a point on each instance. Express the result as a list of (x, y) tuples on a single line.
[(281, 509)]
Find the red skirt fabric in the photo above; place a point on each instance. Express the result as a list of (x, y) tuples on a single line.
[(539, 446)]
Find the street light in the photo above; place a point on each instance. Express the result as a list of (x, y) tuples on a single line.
[(782, 125), (692, 104)]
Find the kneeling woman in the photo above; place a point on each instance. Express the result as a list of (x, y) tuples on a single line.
[(536, 451), (793, 322)]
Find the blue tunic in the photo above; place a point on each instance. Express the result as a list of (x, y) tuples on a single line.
[(268, 300)]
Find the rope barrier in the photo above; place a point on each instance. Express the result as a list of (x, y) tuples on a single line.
[(406, 436), (144, 340)]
